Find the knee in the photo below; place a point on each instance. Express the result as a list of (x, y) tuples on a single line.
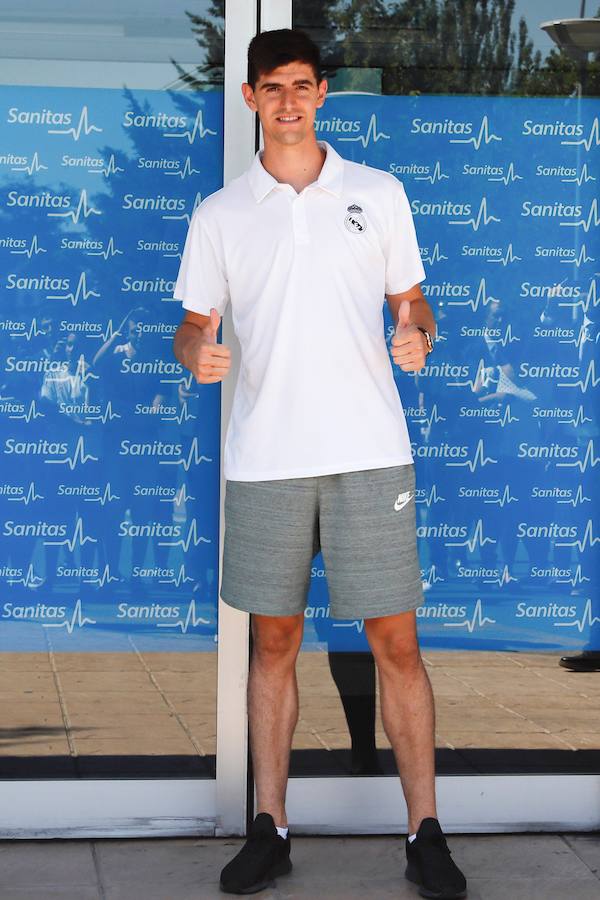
[(400, 652), (275, 641)]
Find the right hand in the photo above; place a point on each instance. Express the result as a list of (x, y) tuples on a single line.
[(210, 362)]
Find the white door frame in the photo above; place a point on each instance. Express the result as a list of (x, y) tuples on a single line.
[(484, 803), (168, 807)]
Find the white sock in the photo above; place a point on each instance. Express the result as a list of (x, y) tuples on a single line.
[(411, 837), (282, 831)]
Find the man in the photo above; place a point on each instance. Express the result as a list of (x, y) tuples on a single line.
[(317, 455)]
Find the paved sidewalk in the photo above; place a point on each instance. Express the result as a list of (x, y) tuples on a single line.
[(498, 867)]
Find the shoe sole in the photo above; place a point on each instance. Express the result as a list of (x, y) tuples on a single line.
[(282, 868), (412, 875)]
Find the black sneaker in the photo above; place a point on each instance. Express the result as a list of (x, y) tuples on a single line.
[(264, 856), (429, 864)]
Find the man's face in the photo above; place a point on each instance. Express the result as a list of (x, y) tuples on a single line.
[(286, 100)]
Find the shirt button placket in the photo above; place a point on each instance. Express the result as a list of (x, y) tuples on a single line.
[(301, 235)]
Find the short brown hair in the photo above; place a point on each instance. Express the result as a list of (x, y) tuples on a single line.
[(271, 49)]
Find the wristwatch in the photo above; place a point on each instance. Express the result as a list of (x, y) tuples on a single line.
[(428, 339)]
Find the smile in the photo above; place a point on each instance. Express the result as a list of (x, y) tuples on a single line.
[(288, 118)]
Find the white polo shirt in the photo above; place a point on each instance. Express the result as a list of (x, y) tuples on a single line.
[(307, 275)]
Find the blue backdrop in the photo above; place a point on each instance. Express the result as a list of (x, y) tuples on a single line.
[(110, 476)]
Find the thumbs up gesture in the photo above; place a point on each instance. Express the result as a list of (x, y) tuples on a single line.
[(409, 347), (211, 361)]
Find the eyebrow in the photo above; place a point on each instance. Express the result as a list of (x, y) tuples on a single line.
[(279, 84)]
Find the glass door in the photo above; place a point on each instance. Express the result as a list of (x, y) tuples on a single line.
[(112, 133), (490, 132)]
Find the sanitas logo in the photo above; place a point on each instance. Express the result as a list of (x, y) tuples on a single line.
[(560, 252), (155, 120), (478, 492), (546, 611), (556, 210), (153, 611), (336, 125), (551, 129), (151, 448), (18, 116), (43, 200), (551, 493), (446, 289), (160, 202), (554, 370), (549, 290), (149, 529), (477, 572), (441, 611), (546, 451), (20, 366), (447, 126), (443, 208), (41, 447), (158, 246), (36, 283), (154, 367), (39, 611), (408, 169), (556, 331), (439, 451), (34, 529), (148, 409), (485, 252), (147, 285), (485, 331)]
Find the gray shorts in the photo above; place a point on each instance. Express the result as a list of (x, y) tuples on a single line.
[(364, 522)]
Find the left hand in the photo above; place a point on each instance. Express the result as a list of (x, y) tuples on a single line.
[(409, 347)]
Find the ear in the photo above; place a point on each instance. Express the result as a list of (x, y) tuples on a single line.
[(248, 95), (322, 93)]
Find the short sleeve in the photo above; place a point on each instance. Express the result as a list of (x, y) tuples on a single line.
[(202, 281), (403, 267)]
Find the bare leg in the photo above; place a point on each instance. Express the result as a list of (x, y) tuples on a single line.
[(273, 707), (407, 709)]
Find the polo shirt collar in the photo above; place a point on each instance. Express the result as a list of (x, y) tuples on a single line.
[(330, 177)]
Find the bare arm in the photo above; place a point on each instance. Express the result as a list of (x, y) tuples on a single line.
[(420, 310), (195, 347)]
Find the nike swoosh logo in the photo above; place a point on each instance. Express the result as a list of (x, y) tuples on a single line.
[(402, 501)]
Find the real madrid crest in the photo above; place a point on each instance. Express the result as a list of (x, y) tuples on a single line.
[(355, 221)]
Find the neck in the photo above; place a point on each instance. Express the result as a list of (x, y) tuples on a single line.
[(298, 165)]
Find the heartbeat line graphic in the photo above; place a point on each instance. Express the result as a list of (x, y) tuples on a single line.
[(579, 419), (105, 497), (477, 539), (582, 177), (179, 579), (78, 539), (181, 496), (191, 619), (185, 380), (187, 217), (481, 299), (33, 248), (187, 170), (111, 250), (587, 619), (506, 417), (478, 620), (435, 255), (371, 135), (35, 166), (586, 224), (194, 457), (79, 455), (107, 416), (359, 624), (432, 577), (104, 335), (82, 372), (508, 338), (590, 298), (31, 413), (505, 578), (431, 497), (192, 538), (77, 620), (593, 137), (582, 336), (198, 130), (508, 258), (81, 293), (182, 416), (29, 497), (578, 499), (104, 578), (82, 126), (580, 259), (111, 169), (590, 376), (479, 457), (482, 216), (82, 209), (483, 374), (31, 580), (177, 255), (589, 458), (578, 578), (505, 499), (588, 539), (436, 175), (510, 176), (434, 417), (484, 135)]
